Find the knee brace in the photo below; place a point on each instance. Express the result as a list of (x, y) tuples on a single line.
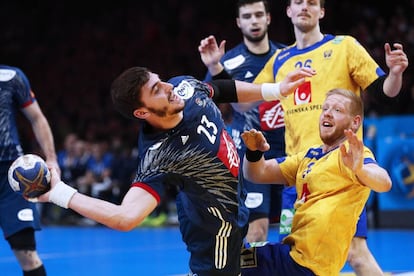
[(23, 240)]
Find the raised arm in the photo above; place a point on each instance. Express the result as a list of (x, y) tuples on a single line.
[(211, 53), (370, 175), (397, 62)]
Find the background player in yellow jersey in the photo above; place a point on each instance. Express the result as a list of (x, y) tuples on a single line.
[(333, 181), (339, 61)]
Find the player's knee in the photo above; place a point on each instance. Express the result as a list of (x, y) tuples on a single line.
[(358, 254), (23, 240), (23, 245)]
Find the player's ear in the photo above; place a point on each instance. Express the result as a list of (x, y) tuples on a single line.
[(141, 113), (356, 123), (322, 13)]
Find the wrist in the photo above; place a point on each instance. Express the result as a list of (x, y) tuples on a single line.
[(61, 194), (215, 68), (271, 92), (253, 155)]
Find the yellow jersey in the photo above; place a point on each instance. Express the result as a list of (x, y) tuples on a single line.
[(339, 61), (330, 200)]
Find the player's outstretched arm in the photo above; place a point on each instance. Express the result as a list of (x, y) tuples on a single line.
[(251, 92), (136, 205), (255, 167)]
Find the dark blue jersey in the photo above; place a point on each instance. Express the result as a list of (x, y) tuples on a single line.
[(198, 156), (15, 94), (241, 64)]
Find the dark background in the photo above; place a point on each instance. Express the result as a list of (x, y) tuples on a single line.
[(72, 50)]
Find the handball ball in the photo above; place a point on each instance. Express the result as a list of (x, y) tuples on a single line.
[(29, 176)]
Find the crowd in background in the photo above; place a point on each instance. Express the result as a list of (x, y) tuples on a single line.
[(71, 52)]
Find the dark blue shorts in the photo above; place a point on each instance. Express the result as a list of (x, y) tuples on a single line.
[(211, 253), (271, 259), (263, 200), (16, 213), (288, 200)]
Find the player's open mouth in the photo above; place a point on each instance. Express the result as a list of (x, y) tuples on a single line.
[(255, 31), (326, 124)]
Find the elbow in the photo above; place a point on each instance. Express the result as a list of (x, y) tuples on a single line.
[(250, 176), (127, 224), (385, 186), (125, 227)]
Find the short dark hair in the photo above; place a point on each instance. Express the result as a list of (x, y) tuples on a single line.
[(126, 90), (321, 2), (241, 3)]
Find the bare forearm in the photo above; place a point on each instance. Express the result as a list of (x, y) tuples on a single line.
[(263, 171), (44, 136), (392, 85), (122, 217), (374, 177)]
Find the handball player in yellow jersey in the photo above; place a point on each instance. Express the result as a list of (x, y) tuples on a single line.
[(333, 181), (339, 62)]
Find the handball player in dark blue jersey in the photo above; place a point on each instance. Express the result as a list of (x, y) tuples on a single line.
[(182, 142), (18, 217)]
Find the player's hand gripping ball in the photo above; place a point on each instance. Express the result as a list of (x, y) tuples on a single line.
[(29, 175)]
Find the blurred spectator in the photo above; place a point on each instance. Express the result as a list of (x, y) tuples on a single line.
[(97, 180), (123, 168)]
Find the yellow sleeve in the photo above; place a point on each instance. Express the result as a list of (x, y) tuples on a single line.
[(362, 67)]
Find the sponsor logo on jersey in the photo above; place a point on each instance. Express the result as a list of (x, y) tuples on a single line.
[(338, 39), (25, 215), (253, 200), (236, 135), (200, 102), (304, 195), (271, 115), (248, 257), (283, 55), (302, 94), (184, 139), (184, 90), (227, 153), (7, 74), (235, 62), (248, 75), (327, 54)]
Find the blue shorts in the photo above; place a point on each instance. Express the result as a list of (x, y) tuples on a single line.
[(263, 200), (270, 259), (288, 199), (211, 254), (16, 213)]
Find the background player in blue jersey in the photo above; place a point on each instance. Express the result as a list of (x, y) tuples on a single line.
[(333, 180), (244, 62), (18, 217), (182, 142)]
